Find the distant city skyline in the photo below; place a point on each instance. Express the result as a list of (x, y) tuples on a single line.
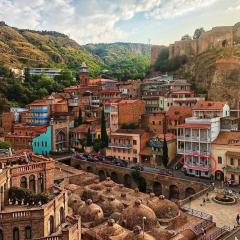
[(102, 21)]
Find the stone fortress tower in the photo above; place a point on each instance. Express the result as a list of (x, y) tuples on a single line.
[(217, 37)]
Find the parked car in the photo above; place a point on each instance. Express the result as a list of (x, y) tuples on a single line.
[(138, 168)]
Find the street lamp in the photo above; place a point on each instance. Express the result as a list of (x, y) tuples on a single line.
[(143, 222)]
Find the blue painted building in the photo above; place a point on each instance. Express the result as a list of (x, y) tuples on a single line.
[(40, 114), (42, 144)]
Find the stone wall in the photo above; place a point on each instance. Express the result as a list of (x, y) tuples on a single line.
[(217, 37)]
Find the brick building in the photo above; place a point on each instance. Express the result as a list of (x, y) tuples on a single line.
[(176, 116), (153, 121)]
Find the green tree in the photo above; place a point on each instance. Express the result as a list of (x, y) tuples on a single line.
[(89, 138), (165, 153), (97, 145), (198, 32), (104, 136), (5, 145), (186, 37)]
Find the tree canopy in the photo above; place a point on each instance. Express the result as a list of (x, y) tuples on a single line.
[(198, 33), (186, 37)]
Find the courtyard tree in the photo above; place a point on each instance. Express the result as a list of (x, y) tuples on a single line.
[(89, 138), (5, 145), (104, 136), (165, 153)]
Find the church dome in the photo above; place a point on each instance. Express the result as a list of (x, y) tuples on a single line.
[(162, 207), (133, 216)]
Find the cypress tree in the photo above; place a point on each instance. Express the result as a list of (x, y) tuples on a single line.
[(89, 138), (165, 152), (104, 136)]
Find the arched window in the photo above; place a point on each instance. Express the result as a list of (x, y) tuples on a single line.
[(23, 182), (15, 233), (50, 225), (62, 215), (32, 183), (1, 234), (28, 233)]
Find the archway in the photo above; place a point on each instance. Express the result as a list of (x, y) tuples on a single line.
[(28, 232), (89, 169), (61, 141), (78, 167), (173, 192), (157, 188), (219, 175), (127, 181), (114, 177), (15, 233), (189, 192), (50, 225), (61, 215), (224, 43), (23, 182), (1, 234), (101, 175), (32, 185)]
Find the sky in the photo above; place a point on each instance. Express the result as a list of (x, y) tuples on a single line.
[(96, 21)]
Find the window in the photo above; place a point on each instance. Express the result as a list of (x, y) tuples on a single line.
[(153, 122), (15, 234), (45, 144), (134, 142), (239, 162), (231, 161), (50, 225), (1, 234), (23, 182), (32, 183), (28, 232), (62, 214), (219, 160)]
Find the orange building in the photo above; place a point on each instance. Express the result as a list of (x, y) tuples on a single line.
[(127, 144), (153, 121), (7, 121), (176, 115), (130, 111)]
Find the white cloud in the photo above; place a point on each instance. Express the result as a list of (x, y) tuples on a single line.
[(90, 20)]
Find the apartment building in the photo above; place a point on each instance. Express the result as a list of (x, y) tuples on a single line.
[(210, 109), (194, 139), (175, 116), (127, 144), (226, 152), (50, 72)]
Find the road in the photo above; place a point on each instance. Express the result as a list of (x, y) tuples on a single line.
[(176, 173)]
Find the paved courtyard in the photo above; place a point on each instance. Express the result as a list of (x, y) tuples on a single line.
[(222, 214)]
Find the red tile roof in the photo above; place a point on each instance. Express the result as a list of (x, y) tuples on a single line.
[(128, 101), (179, 112), (168, 136), (110, 90), (208, 105), (228, 138)]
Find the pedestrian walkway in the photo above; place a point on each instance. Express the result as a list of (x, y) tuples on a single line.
[(223, 215)]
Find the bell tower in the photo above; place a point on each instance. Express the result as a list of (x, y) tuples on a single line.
[(83, 75)]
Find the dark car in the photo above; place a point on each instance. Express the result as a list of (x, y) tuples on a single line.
[(137, 167)]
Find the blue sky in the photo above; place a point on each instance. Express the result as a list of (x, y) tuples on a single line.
[(92, 21)]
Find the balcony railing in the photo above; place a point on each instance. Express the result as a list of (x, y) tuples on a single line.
[(40, 110), (232, 169), (125, 146)]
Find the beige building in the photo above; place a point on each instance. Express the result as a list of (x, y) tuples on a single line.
[(225, 153), (127, 144)]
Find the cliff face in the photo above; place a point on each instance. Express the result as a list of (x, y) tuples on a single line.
[(217, 73)]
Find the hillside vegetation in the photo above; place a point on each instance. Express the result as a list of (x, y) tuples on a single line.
[(21, 48)]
